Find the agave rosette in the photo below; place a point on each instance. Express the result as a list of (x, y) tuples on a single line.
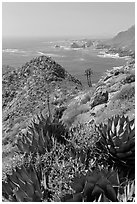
[(40, 135), (91, 186), (22, 185), (117, 142)]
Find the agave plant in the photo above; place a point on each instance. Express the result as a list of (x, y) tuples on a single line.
[(22, 185), (25, 184), (98, 184), (40, 135), (116, 144)]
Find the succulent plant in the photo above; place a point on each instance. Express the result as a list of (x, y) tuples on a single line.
[(92, 186), (126, 193), (40, 134), (116, 144), (22, 185)]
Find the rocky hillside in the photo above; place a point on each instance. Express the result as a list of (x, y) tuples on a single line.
[(113, 95), (25, 92), (125, 39), (122, 44)]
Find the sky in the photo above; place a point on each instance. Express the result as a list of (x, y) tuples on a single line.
[(52, 19)]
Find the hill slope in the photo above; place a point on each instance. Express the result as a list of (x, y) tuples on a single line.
[(125, 39), (114, 94), (25, 92)]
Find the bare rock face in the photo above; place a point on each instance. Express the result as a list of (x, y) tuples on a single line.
[(100, 97)]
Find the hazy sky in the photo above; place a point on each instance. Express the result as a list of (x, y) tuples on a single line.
[(66, 19)]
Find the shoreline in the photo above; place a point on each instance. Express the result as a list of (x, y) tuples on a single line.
[(103, 54)]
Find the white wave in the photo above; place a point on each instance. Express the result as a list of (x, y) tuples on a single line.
[(41, 53), (13, 51), (116, 56), (119, 67), (107, 55), (10, 50), (82, 59), (49, 54), (48, 42), (67, 48)]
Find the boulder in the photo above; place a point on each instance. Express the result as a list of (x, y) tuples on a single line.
[(100, 97), (97, 108)]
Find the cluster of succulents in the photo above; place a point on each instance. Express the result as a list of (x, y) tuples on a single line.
[(90, 187), (59, 170), (40, 134), (116, 144)]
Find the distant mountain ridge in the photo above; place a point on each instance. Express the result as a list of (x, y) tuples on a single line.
[(124, 39)]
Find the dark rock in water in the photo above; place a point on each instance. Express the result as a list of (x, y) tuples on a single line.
[(57, 46), (75, 45), (100, 97), (88, 43)]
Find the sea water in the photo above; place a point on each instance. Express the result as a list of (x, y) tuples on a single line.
[(16, 52)]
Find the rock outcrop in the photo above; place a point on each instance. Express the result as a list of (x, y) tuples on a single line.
[(100, 97), (123, 44), (75, 45)]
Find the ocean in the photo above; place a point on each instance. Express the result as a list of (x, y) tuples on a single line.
[(16, 52)]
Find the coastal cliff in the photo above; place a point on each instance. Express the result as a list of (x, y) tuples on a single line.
[(123, 44), (125, 39)]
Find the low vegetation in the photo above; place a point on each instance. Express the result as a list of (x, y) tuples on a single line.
[(66, 169)]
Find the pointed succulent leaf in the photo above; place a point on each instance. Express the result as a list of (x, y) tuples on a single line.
[(6, 188), (88, 189), (67, 198), (77, 197), (110, 193), (97, 191), (92, 177), (102, 182), (78, 183), (20, 195), (114, 179)]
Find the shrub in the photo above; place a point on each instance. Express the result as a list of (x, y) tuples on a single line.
[(70, 114), (129, 79)]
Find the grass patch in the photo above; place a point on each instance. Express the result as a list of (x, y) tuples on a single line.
[(70, 114), (127, 92)]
